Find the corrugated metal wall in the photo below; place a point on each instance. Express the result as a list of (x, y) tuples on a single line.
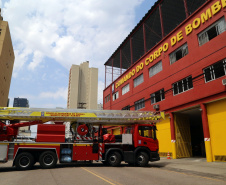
[(183, 136)]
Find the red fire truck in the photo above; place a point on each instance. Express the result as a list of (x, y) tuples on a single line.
[(85, 140)]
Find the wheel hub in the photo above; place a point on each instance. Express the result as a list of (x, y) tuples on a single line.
[(48, 160), (141, 158), (112, 158), (24, 161)]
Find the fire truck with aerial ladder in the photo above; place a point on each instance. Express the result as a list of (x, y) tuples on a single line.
[(88, 140)]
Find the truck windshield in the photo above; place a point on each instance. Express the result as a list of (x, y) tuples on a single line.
[(147, 131)]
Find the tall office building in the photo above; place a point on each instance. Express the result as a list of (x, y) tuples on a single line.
[(20, 102), (82, 87), (6, 61)]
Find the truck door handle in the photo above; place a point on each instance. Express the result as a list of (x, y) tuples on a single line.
[(145, 143)]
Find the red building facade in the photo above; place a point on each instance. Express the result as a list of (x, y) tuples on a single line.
[(183, 75)]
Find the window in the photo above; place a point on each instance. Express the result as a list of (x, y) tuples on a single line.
[(115, 96), (113, 88), (214, 71), (147, 131), (183, 85), (157, 96), (125, 89), (139, 104), (212, 31), (138, 80), (126, 107), (155, 69), (107, 98), (179, 53)]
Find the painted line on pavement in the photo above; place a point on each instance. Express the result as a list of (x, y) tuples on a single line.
[(105, 179)]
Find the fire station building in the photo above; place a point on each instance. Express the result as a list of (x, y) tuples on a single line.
[(174, 61)]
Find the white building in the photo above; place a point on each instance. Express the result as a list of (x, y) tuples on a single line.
[(82, 87)]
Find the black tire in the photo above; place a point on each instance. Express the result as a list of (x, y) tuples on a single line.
[(34, 163), (24, 161), (105, 163), (142, 159), (114, 159), (131, 164), (48, 159)]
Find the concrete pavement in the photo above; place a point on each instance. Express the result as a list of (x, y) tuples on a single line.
[(166, 171), (195, 166)]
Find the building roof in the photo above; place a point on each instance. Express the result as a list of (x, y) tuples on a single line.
[(135, 28), (173, 12)]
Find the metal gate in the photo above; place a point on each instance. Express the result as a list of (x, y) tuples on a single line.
[(183, 135)]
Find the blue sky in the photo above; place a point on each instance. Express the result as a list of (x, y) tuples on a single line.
[(49, 36)]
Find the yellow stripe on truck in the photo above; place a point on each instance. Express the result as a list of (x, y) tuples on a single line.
[(49, 144), (62, 114)]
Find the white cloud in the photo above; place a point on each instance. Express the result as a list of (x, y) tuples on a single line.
[(49, 105), (37, 59), (60, 93), (70, 31), (47, 99), (21, 55), (67, 32)]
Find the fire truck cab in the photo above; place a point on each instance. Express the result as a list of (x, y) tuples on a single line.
[(137, 147), (86, 140)]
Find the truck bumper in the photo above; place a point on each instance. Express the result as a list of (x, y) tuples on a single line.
[(154, 156)]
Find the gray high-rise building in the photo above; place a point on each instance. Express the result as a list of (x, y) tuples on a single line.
[(20, 102), (82, 87)]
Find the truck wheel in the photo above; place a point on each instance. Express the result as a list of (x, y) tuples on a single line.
[(142, 159), (130, 164), (105, 163), (48, 159), (24, 161), (114, 159)]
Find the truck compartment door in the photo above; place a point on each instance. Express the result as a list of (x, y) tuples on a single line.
[(83, 152)]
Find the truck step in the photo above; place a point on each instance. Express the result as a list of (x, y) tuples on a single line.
[(11, 151)]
